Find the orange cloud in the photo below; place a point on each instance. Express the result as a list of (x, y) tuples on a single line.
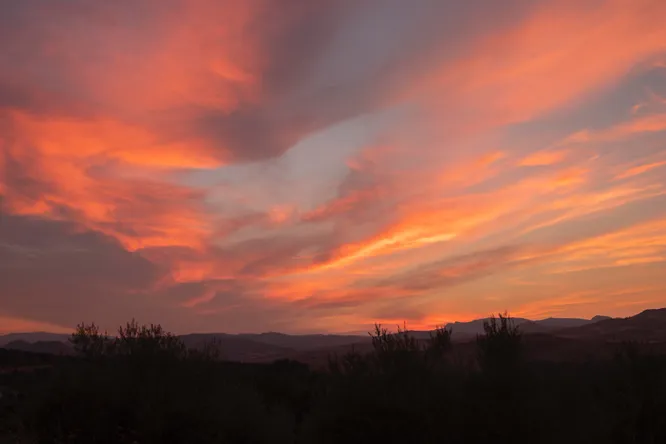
[(385, 244), (428, 220), (13, 325), (93, 140), (579, 205), (649, 124), (139, 213), (560, 52), (640, 244), (470, 172), (544, 158), (638, 170), (344, 204)]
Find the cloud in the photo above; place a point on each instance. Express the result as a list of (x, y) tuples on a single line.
[(54, 272), (137, 212), (641, 169), (654, 123), (643, 243), (544, 158), (452, 271), (158, 159), (202, 82), (14, 325), (576, 48)]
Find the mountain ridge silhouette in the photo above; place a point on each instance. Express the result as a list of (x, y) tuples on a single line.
[(648, 325)]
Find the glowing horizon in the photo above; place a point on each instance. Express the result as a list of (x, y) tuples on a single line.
[(307, 166)]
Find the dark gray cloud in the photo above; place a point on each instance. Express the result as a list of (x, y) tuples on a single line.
[(20, 176), (56, 272), (448, 272)]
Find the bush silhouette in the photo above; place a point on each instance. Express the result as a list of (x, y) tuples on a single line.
[(500, 348), (147, 341), (89, 342), (144, 386)]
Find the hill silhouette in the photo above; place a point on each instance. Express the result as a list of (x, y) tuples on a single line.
[(647, 326), (573, 337), (49, 347), (32, 337)]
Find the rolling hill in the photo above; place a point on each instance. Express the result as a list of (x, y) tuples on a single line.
[(552, 336), (47, 347), (647, 326)]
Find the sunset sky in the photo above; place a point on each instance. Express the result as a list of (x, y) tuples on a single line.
[(316, 166)]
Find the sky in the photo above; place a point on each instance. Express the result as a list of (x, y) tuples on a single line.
[(321, 165)]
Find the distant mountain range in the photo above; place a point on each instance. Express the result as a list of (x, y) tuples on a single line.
[(32, 337), (649, 326), (49, 347), (527, 326)]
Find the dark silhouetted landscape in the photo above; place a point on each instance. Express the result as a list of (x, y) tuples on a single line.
[(494, 380)]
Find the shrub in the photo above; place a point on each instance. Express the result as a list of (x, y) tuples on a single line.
[(501, 346)]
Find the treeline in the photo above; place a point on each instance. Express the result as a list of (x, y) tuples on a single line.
[(144, 386)]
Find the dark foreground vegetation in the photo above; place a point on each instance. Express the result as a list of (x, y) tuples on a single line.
[(144, 386)]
